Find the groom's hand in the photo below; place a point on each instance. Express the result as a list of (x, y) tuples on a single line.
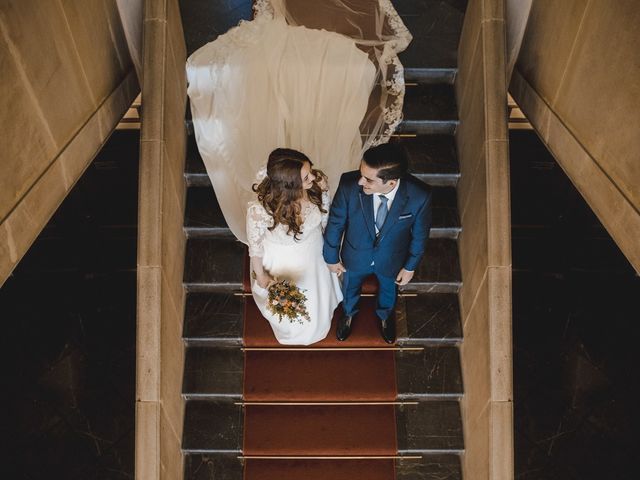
[(404, 277), (337, 268)]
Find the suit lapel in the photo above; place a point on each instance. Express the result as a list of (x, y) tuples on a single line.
[(366, 202), (397, 206)]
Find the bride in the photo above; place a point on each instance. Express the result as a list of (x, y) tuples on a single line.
[(284, 230), (320, 77)]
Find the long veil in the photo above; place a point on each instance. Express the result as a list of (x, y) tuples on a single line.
[(322, 77)]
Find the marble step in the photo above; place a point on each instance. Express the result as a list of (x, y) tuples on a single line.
[(429, 109), (216, 373), (432, 158), (423, 427), (205, 466), (425, 75), (432, 102), (216, 264), (203, 217), (215, 319), (436, 26)]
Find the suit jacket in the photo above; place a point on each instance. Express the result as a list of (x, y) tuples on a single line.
[(350, 234)]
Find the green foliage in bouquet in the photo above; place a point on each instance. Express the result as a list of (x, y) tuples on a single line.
[(287, 300)]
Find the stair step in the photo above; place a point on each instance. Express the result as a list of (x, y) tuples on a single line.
[(213, 372), (204, 218), (432, 158), (421, 428), (432, 154), (430, 102), (314, 430), (230, 467), (430, 467), (217, 373), (215, 319), (428, 127), (435, 26), (216, 264), (319, 469), (427, 76), (429, 319), (212, 426)]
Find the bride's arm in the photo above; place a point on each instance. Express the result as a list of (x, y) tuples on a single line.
[(257, 224)]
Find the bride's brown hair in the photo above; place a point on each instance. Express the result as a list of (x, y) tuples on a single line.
[(281, 190)]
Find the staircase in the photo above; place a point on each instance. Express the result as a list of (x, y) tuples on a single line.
[(348, 410)]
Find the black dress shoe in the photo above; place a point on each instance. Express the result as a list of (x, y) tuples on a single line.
[(388, 329), (344, 327)]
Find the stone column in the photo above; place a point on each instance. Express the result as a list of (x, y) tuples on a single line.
[(485, 243)]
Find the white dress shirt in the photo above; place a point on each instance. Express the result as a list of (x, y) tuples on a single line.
[(376, 202)]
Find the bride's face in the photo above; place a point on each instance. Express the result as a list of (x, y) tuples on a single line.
[(307, 176)]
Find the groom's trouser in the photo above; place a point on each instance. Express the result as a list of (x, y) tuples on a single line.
[(352, 285)]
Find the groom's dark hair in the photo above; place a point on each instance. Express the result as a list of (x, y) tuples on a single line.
[(390, 159)]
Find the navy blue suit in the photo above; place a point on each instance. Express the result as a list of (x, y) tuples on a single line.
[(350, 237)]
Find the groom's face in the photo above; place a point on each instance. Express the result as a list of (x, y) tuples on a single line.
[(371, 183)]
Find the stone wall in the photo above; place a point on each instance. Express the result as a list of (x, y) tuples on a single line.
[(161, 244), (577, 79), (67, 78), (485, 251)]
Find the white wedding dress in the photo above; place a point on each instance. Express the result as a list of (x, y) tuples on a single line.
[(330, 91), (321, 77), (300, 261)]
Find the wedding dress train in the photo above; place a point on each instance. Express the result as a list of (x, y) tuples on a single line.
[(321, 77)]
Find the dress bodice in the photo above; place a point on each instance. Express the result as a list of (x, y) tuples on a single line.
[(259, 221)]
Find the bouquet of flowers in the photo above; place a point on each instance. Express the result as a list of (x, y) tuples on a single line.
[(287, 300)]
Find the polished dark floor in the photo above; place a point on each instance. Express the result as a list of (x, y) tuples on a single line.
[(68, 341), (576, 304)]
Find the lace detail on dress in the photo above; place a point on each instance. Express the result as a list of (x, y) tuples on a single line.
[(395, 86), (402, 35), (326, 204), (258, 222), (262, 8), (392, 113)]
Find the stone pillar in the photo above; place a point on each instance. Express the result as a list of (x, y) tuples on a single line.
[(485, 243), (161, 245)]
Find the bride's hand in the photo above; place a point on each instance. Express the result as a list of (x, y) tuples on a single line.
[(264, 280)]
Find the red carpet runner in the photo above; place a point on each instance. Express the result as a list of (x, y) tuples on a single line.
[(307, 403)]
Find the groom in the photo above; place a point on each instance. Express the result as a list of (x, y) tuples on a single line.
[(379, 224)]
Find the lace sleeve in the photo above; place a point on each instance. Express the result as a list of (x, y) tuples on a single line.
[(258, 220), (326, 205)]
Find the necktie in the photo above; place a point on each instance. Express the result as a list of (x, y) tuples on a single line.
[(381, 214)]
